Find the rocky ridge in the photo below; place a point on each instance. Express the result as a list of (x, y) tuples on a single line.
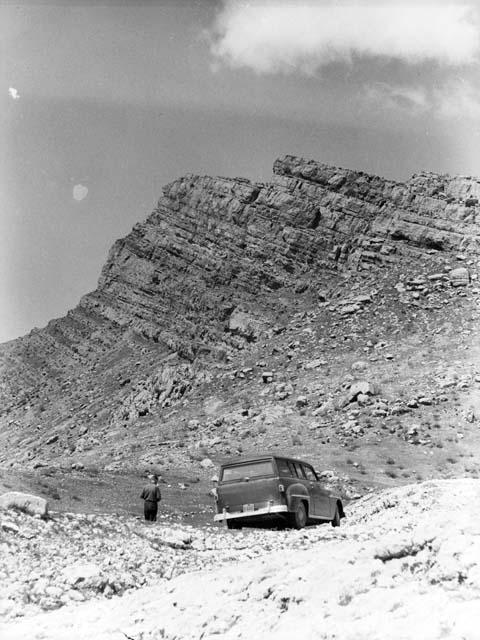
[(245, 314)]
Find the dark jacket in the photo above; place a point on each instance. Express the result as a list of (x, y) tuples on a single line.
[(151, 492)]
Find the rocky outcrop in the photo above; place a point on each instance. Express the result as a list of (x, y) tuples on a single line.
[(209, 272), (33, 505), (382, 219)]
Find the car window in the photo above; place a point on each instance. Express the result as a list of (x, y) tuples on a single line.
[(293, 471), (249, 470), (283, 468), (309, 473), (299, 470)]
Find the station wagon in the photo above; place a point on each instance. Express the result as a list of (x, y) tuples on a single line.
[(270, 487)]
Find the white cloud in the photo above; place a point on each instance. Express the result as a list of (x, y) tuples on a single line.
[(271, 36), (458, 99), (79, 192), (414, 100), (13, 93)]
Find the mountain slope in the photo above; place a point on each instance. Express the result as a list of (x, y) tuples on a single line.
[(303, 278)]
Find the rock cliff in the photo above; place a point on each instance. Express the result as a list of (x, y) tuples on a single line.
[(218, 271)]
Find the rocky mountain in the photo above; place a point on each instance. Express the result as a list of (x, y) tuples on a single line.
[(405, 564), (327, 311)]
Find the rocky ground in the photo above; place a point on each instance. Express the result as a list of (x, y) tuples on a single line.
[(404, 565), (326, 308), (46, 563)]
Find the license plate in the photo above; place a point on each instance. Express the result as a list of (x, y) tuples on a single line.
[(249, 507)]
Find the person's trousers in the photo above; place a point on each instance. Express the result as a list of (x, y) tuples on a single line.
[(150, 509)]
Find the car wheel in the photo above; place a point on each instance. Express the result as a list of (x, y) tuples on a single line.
[(299, 516), (336, 518), (231, 524)]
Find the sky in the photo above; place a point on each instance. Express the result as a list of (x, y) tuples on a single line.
[(102, 103)]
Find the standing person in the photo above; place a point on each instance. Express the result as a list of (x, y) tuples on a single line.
[(151, 496)]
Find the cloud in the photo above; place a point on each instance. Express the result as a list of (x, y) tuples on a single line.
[(79, 192), (272, 36), (13, 93), (415, 100), (458, 99)]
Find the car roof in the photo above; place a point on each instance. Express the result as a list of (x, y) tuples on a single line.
[(260, 456)]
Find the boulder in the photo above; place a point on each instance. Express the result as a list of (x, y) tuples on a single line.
[(359, 365), (33, 505), (314, 364), (359, 388), (459, 277), (244, 324), (301, 402), (81, 572)]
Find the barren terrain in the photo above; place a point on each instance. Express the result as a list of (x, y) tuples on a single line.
[(327, 314), (405, 565)]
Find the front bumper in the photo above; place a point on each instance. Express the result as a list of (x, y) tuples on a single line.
[(226, 515)]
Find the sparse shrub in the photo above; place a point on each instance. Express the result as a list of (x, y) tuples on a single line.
[(349, 461), (93, 470), (20, 509), (296, 440), (451, 460), (390, 473), (390, 461)]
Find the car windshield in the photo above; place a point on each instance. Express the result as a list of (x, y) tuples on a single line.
[(250, 470)]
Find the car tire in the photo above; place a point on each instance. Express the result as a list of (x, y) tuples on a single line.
[(231, 524), (336, 518), (298, 518)]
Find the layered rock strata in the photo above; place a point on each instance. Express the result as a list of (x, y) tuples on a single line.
[(214, 251)]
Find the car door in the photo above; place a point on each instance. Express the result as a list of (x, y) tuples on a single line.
[(320, 497), (298, 478)]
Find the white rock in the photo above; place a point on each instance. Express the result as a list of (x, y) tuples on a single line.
[(33, 505), (80, 572)]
